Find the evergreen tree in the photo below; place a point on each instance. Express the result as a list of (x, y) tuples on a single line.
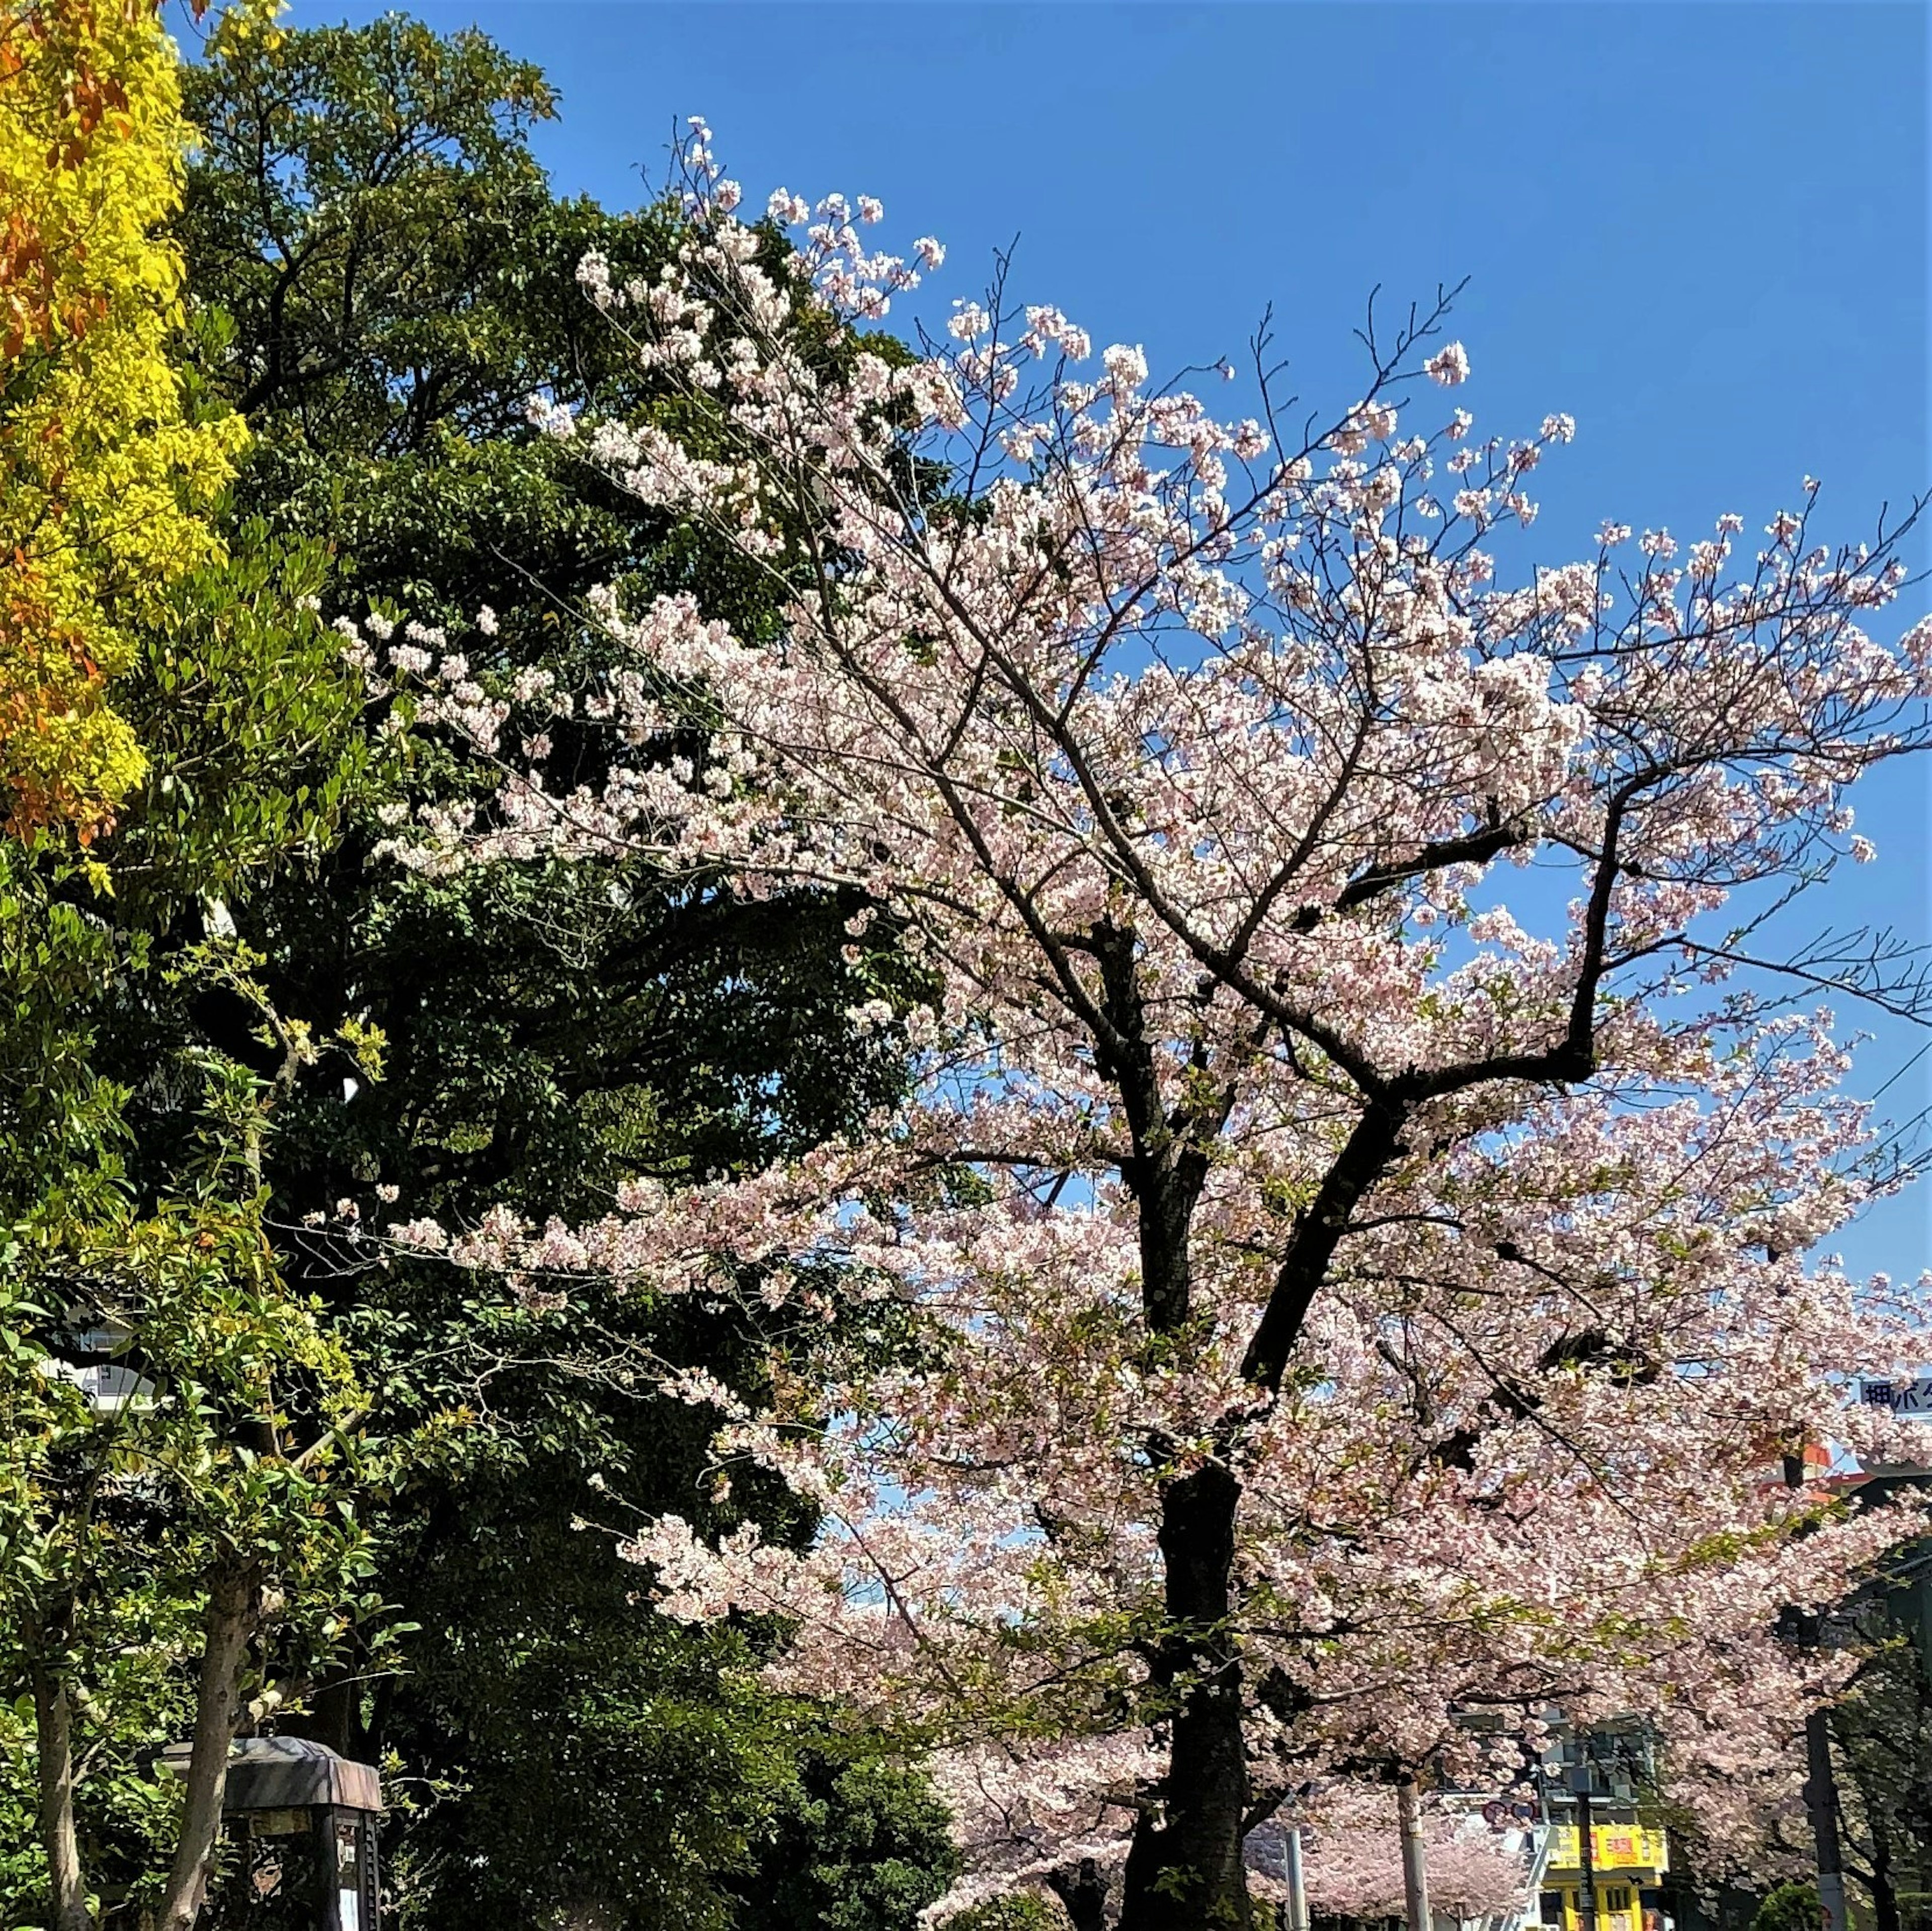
[(393, 279)]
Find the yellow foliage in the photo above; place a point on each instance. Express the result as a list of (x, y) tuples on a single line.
[(105, 482)]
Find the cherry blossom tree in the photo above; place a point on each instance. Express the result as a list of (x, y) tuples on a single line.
[(1050, 1816), (1353, 1859), (1045, 1816), (1344, 1277)]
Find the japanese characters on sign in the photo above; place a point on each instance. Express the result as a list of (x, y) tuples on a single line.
[(1912, 1399)]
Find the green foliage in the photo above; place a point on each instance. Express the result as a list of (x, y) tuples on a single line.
[(1791, 1907), (59, 1118), (859, 1846), (867, 1847), (250, 719), (410, 180), (221, 1444), (595, 1765), (132, 1243), (234, 1040), (1017, 1910), (383, 276)]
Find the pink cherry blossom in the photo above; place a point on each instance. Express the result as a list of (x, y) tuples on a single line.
[(1395, 1135)]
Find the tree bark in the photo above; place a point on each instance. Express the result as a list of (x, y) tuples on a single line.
[(53, 1736), (234, 1609), (1821, 1800), (332, 1714), (1885, 1893), (1084, 1894), (1184, 1869)]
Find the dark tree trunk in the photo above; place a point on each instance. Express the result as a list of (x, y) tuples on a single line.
[(1884, 1892), (1821, 1800), (1084, 1893), (333, 1713), (1184, 1869)]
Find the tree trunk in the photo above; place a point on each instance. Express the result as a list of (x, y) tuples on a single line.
[(1885, 1893), (1184, 1869), (1821, 1800), (1084, 1894), (53, 1736), (331, 1715), (234, 1605)]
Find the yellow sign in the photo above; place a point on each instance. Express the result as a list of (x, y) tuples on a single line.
[(1613, 1847)]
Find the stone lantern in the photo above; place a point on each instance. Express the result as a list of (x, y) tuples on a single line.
[(309, 1817)]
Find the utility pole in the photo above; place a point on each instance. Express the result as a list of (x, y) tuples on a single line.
[(1586, 1847), (1414, 1872), (1821, 1782)]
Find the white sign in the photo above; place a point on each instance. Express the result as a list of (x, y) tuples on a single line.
[(1911, 1401)]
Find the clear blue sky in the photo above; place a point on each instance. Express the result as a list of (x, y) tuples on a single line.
[(1701, 229)]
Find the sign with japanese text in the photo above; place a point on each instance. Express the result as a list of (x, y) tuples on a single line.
[(1912, 1399), (1614, 1847)]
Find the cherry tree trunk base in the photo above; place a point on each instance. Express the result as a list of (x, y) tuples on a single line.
[(1184, 1869)]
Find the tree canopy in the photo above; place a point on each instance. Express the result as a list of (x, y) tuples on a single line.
[(375, 1501), (397, 279), (784, 1108), (1315, 1252), (108, 468)]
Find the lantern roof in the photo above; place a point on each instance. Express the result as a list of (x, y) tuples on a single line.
[(288, 1773)]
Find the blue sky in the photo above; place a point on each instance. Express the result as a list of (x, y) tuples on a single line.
[(1700, 229)]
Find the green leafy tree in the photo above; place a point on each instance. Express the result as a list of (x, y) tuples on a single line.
[(1019, 1910), (851, 1849), (385, 278), (1791, 1907), (178, 1515), (178, 1551), (160, 1551)]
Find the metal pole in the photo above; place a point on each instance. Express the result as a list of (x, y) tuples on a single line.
[(1414, 1872), (1586, 1850), (1297, 1889)]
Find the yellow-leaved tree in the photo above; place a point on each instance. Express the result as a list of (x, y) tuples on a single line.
[(161, 1547), (105, 474)]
